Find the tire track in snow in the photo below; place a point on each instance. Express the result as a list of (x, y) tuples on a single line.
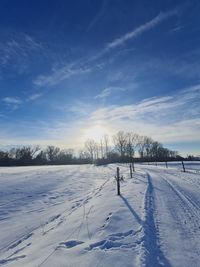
[(153, 256), (182, 212), (189, 208), (185, 177)]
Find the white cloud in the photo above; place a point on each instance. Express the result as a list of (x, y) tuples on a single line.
[(15, 102), (78, 68), (176, 29), (12, 100), (41, 133), (170, 118), (60, 75), (16, 50), (98, 16), (12, 103), (34, 96), (108, 91), (141, 29)]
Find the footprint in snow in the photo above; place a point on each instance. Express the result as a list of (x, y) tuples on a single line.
[(5, 261), (70, 244), (115, 241), (107, 220)]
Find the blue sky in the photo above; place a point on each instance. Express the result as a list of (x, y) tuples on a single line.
[(69, 68)]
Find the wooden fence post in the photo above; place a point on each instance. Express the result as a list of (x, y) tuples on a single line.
[(183, 166), (118, 182), (131, 173), (133, 167), (166, 164)]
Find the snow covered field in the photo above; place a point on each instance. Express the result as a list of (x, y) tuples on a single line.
[(190, 166), (71, 216)]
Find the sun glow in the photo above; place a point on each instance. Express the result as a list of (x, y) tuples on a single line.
[(95, 132)]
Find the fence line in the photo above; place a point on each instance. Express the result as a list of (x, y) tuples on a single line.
[(179, 165)]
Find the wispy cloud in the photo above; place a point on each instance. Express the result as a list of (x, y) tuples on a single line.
[(15, 51), (141, 29), (168, 118), (108, 91), (89, 65), (48, 132), (98, 16), (136, 32), (60, 75), (12, 103), (12, 100), (34, 96), (176, 29)]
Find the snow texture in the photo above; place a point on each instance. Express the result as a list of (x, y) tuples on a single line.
[(71, 216)]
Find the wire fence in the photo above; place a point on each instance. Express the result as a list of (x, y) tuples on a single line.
[(185, 166)]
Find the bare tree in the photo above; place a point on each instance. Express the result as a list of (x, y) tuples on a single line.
[(102, 149), (132, 143), (83, 154), (65, 156), (173, 154), (90, 148), (148, 143), (120, 142), (106, 145), (24, 155), (156, 147), (141, 146), (96, 150), (125, 146), (52, 153)]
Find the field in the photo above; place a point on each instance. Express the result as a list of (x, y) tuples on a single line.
[(71, 216)]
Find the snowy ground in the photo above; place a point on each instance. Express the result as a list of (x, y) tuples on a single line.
[(71, 216), (190, 166)]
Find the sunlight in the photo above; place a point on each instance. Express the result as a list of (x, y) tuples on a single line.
[(95, 132)]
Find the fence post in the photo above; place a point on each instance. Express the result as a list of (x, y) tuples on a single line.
[(131, 173), (166, 164), (118, 182), (133, 167), (183, 166)]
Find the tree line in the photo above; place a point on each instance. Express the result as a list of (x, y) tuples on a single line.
[(121, 147), (126, 147), (28, 155)]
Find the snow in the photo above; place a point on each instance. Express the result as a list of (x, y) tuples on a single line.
[(190, 166), (72, 216)]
